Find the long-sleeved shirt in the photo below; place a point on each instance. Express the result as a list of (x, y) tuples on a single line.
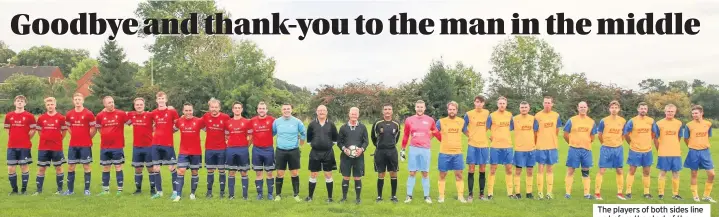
[(385, 134), (420, 128), (353, 135), (322, 136), (287, 131)]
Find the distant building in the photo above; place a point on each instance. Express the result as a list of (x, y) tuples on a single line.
[(52, 73), (83, 84)]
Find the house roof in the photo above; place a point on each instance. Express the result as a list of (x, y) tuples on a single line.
[(39, 71), (87, 77)]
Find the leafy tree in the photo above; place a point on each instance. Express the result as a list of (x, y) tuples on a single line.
[(653, 85), (678, 86), (28, 85), (438, 89), (657, 101), (45, 55), (708, 97), (5, 54), (116, 76), (468, 83), (81, 68)]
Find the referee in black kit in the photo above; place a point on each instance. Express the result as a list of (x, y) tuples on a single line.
[(352, 133), (322, 136), (385, 135)]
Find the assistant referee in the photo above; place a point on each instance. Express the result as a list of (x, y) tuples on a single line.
[(385, 135)]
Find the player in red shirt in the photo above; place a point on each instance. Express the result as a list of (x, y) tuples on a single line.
[(52, 129), (111, 123), (21, 127), (263, 152), (238, 154), (190, 150), (215, 145), (141, 122), (163, 144), (81, 123)]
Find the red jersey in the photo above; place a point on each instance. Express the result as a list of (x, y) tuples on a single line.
[(238, 130), (19, 126), (79, 124), (141, 128), (112, 126), (262, 131), (51, 127), (190, 135), (164, 121), (215, 128)]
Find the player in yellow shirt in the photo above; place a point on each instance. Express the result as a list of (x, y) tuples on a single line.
[(639, 135), (475, 128), (667, 133), (547, 142), (525, 127), (696, 135), (501, 150), (579, 134), (611, 154), (450, 151)]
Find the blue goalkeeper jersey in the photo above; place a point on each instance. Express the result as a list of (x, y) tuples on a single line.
[(288, 131)]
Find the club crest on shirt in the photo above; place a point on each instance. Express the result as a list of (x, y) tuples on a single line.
[(381, 130)]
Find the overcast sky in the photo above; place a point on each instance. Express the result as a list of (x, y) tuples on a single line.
[(624, 60)]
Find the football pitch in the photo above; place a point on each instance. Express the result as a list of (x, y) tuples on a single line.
[(127, 204)]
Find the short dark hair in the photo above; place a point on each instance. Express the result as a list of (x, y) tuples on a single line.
[(287, 103), (188, 104), (387, 104), (549, 98), (480, 98), (524, 103), (643, 104), (614, 102), (698, 108), (237, 103)]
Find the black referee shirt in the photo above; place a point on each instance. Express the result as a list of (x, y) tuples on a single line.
[(385, 134), (353, 135), (321, 138)]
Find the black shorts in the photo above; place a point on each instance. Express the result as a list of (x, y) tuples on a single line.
[(352, 166), (386, 160), (287, 159), (322, 161)]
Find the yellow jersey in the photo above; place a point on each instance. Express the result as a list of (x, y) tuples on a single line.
[(581, 130), (498, 123), (475, 125), (611, 129), (451, 131), (524, 127), (667, 133), (698, 133), (639, 130), (548, 123)]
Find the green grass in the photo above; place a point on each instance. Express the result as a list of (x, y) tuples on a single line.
[(130, 205)]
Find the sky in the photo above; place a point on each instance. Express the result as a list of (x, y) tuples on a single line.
[(392, 59)]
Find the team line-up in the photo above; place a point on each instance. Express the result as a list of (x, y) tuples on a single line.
[(228, 139)]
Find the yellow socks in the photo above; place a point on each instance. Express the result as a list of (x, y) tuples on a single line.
[(708, 188), (586, 182), (490, 184), (661, 183), (647, 181), (620, 183), (568, 180), (508, 179), (528, 180), (517, 182), (440, 183), (550, 182), (598, 184), (630, 182), (540, 181), (675, 186), (695, 192), (460, 187)]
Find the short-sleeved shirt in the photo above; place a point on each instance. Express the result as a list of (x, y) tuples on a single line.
[(51, 127), (262, 131), (19, 126), (79, 124), (475, 124), (498, 123), (112, 129), (524, 127), (668, 133), (612, 129), (141, 123), (164, 121), (238, 129), (639, 130), (580, 129), (215, 128), (190, 135), (698, 133), (451, 131), (547, 137)]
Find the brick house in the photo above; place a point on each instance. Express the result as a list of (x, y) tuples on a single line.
[(83, 84)]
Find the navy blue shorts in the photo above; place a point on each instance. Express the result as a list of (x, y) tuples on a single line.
[(699, 160), (215, 159), (579, 157), (263, 159), (640, 159), (547, 157), (667, 163), (192, 162), (611, 157), (524, 159), (112, 157), (46, 157), (163, 155), (79, 155), (142, 157), (237, 158), (18, 156)]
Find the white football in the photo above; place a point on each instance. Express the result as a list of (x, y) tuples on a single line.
[(353, 151)]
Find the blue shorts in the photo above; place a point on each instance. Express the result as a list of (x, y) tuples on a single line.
[(501, 156), (263, 159), (192, 162), (447, 162), (477, 156), (699, 160), (640, 159), (112, 157), (79, 155), (18, 156), (611, 157), (666, 163), (547, 157), (237, 158), (163, 155), (579, 157), (524, 159), (46, 157), (215, 159), (418, 159), (142, 156)]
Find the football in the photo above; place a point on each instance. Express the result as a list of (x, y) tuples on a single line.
[(353, 151)]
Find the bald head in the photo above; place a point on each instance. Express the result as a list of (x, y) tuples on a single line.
[(582, 108), (321, 112)]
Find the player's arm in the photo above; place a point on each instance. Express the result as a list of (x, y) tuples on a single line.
[(274, 127), (628, 129), (7, 124), (405, 135), (436, 131), (592, 132), (303, 133), (310, 133), (365, 141), (686, 134), (396, 132), (91, 120), (655, 135), (567, 130), (559, 124), (374, 133), (536, 128), (31, 119), (63, 128), (335, 135), (465, 128), (489, 126), (600, 131)]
